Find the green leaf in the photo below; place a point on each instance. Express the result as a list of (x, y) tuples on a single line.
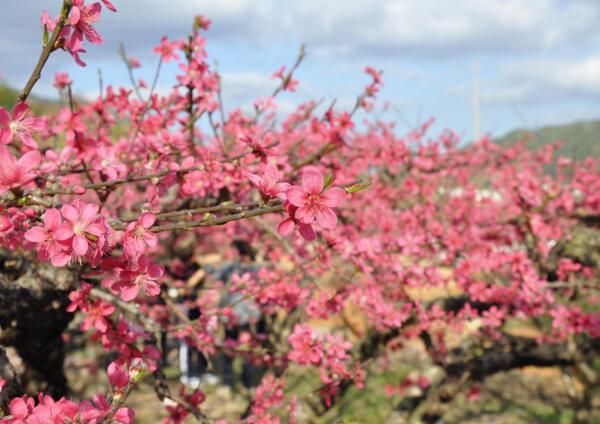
[(355, 188)]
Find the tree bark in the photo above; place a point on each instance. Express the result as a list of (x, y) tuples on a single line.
[(33, 316)]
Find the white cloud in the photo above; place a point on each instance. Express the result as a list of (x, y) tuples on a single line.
[(428, 28), (547, 79), (242, 87)]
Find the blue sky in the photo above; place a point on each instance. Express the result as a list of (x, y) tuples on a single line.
[(539, 60)]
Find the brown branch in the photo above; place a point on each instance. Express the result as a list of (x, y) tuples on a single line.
[(288, 77), (46, 51), (211, 222)]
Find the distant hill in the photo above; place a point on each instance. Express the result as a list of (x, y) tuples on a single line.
[(8, 98), (578, 140)]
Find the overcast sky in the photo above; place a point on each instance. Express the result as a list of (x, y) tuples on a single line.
[(539, 60)]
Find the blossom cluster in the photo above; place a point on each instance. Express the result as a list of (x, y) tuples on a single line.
[(358, 239)]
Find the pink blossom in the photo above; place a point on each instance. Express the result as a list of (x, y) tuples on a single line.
[(314, 203), (287, 225), (82, 225), (117, 375), (144, 277), (81, 19), (21, 408), (19, 125), (93, 412), (305, 348), (138, 235), (167, 49), (289, 84), (17, 173), (48, 24), (109, 5), (96, 316), (134, 62), (269, 184), (61, 80), (48, 246)]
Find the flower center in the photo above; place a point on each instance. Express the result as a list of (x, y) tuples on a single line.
[(78, 228)]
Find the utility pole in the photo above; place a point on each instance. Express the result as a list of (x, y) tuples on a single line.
[(476, 103)]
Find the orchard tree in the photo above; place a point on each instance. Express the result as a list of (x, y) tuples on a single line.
[(109, 205)]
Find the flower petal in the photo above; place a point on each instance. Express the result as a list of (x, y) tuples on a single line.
[(36, 235), (89, 212), (147, 220), (28, 141), (29, 160), (52, 218), (129, 291), (326, 217), (19, 110), (80, 245), (4, 117), (296, 196), (60, 259), (69, 213), (6, 135), (74, 16), (63, 232), (305, 215), (152, 288), (285, 227), (18, 408), (307, 232), (334, 197), (312, 180)]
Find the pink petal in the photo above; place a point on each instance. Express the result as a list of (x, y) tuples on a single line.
[(95, 229), (312, 180), (35, 124), (80, 245), (18, 408), (29, 160), (152, 288), (305, 215), (147, 220), (52, 218), (286, 227), (69, 213), (7, 163), (63, 232), (129, 292), (326, 217), (19, 110), (36, 235), (125, 416), (334, 197), (28, 141), (93, 12), (307, 232), (150, 239), (100, 325), (60, 259), (109, 5), (4, 117), (6, 135), (74, 16), (296, 196), (117, 376), (89, 212), (155, 271), (255, 179)]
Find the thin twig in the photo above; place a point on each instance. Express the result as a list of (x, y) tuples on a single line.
[(46, 51)]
